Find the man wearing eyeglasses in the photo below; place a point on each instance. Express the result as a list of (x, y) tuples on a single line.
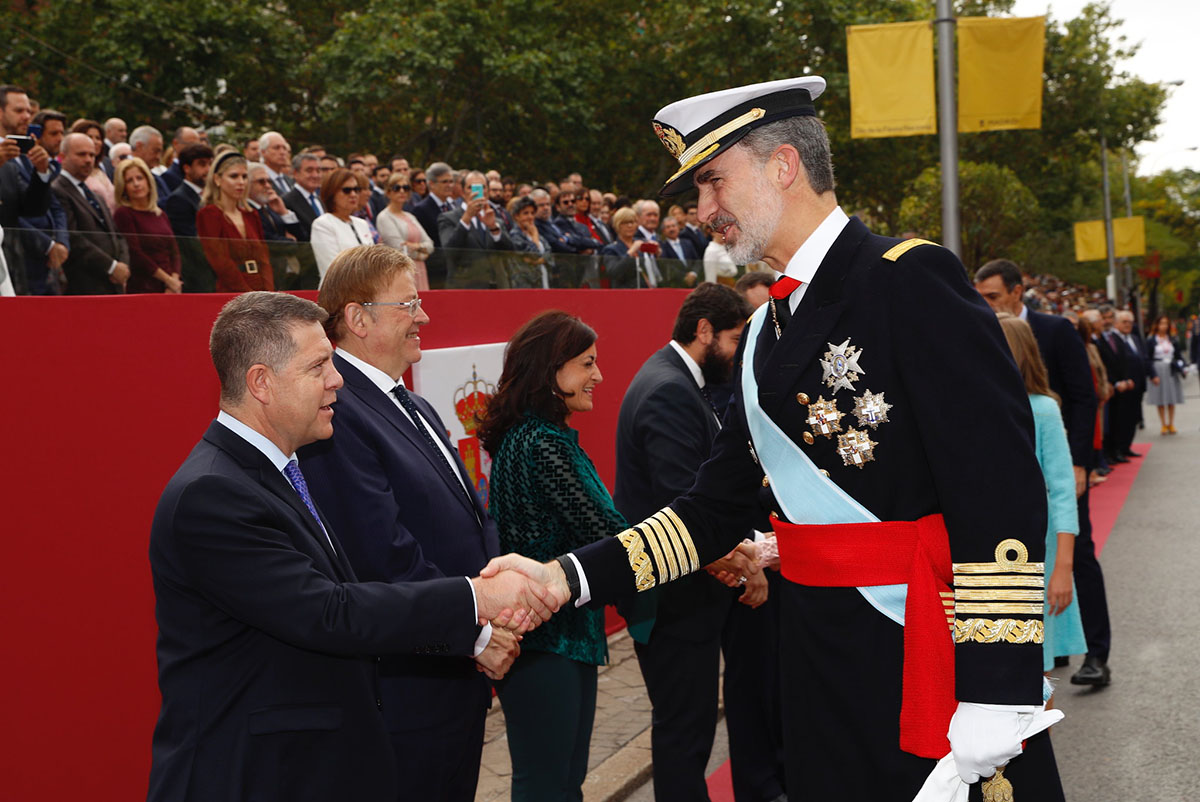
[(397, 493)]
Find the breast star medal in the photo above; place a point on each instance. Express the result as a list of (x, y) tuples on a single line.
[(841, 367), (871, 409), (856, 448), (824, 417)]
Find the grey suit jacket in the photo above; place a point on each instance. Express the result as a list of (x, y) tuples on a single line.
[(95, 242), (470, 253)]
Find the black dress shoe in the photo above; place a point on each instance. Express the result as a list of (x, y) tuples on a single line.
[(1118, 460), (1131, 454), (1094, 672), (1104, 471)]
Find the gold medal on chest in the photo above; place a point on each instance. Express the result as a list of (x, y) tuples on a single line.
[(856, 448), (824, 417), (840, 366), (871, 409)]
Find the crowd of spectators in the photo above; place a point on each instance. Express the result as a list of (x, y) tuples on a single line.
[(99, 208)]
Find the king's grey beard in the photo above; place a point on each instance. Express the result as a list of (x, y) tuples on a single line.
[(756, 227)]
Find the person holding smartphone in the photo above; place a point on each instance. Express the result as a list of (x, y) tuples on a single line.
[(20, 155), (465, 232)]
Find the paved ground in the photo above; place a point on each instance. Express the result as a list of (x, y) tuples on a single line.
[(1136, 740)]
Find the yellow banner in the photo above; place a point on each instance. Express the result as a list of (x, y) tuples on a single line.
[(1129, 236), (1000, 73), (891, 79), (1129, 239)]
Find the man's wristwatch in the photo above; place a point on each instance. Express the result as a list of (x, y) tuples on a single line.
[(572, 576)]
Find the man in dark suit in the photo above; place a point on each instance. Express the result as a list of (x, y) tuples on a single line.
[(1001, 285), (304, 199), (885, 486), (174, 175), (692, 231), (46, 240), (146, 142), (181, 206), (472, 239), (281, 229), (98, 263), (265, 633), (1127, 412), (399, 495), (666, 428), (18, 197), (438, 201)]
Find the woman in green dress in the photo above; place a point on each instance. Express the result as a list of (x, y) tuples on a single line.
[(547, 499)]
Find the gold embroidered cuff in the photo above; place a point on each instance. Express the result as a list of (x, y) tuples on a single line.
[(1002, 630), (670, 544)]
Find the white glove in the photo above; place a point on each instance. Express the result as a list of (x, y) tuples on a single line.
[(984, 737)]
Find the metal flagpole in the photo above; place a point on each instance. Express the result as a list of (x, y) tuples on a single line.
[(1113, 278), (948, 127)]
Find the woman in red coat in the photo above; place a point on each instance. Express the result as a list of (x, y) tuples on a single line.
[(230, 232)]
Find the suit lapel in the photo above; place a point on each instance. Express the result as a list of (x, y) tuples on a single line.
[(807, 332), (370, 394), (261, 468)]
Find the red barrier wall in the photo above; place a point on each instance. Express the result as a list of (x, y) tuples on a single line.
[(104, 398)]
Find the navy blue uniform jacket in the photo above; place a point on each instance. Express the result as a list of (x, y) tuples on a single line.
[(265, 640), (959, 440), (400, 520)]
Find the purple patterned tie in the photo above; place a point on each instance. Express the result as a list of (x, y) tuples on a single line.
[(292, 472)]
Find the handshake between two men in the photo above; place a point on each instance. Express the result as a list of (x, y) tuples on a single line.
[(517, 594)]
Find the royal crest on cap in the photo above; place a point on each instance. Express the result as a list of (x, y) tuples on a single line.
[(672, 140)]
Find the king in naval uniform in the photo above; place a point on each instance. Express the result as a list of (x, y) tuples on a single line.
[(878, 402)]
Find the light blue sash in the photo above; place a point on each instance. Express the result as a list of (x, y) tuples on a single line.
[(806, 495)]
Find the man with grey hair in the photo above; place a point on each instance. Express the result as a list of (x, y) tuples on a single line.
[(875, 413), (115, 131), (146, 142), (441, 182), (277, 156), (474, 236), (304, 198), (647, 212), (266, 637)]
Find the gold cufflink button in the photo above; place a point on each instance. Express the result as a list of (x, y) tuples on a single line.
[(802, 398), (808, 438)]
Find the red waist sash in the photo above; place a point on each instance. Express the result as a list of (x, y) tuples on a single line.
[(916, 553)]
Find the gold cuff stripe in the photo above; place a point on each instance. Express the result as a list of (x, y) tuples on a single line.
[(662, 549), (715, 135), (660, 561), (685, 537), (992, 568), (639, 561), (989, 594), (965, 581), (997, 607), (1007, 630), (671, 542)]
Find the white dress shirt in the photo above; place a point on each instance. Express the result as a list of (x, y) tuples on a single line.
[(808, 257)]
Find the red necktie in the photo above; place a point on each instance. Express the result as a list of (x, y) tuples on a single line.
[(784, 287)]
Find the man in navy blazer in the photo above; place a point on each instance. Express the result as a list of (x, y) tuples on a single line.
[(174, 175), (181, 206), (265, 633), (1001, 285), (406, 510), (665, 431), (439, 201)]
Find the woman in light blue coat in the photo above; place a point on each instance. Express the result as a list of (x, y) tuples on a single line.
[(1064, 630)]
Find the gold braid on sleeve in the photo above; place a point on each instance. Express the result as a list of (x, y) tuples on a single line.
[(1010, 586), (659, 549)]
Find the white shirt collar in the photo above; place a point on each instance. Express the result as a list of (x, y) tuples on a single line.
[(256, 439), (199, 190), (1024, 314), (647, 234), (377, 377), (697, 374), (808, 257), (271, 174), (78, 184)]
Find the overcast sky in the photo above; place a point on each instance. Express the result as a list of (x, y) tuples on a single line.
[(1166, 30)]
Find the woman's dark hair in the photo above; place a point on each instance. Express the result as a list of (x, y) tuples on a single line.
[(1153, 330), (531, 363), (518, 205)]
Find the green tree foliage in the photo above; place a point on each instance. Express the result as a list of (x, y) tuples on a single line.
[(997, 210), (538, 88)]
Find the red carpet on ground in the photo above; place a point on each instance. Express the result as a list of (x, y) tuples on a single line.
[(1106, 502)]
